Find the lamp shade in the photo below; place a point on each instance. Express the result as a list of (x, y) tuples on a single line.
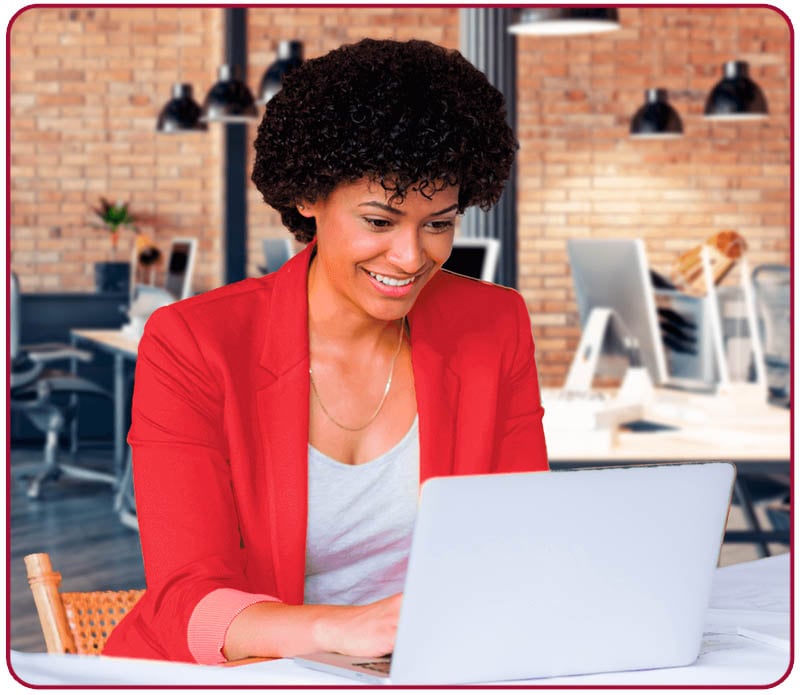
[(229, 100), (290, 55), (565, 20), (181, 113), (656, 118), (736, 96)]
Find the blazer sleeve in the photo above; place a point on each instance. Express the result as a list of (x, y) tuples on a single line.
[(520, 444), (193, 561)]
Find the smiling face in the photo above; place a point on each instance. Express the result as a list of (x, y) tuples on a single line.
[(375, 256)]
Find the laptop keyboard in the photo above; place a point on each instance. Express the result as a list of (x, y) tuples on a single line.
[(379, 666)]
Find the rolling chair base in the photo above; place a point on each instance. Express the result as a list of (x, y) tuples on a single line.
[(53, 469), (34, 488)]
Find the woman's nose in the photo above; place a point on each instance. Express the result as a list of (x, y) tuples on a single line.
[(406, 251)]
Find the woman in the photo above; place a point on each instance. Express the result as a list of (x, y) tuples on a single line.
[(282, 425)]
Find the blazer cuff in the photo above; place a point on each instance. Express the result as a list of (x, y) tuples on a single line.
[(212, 617)]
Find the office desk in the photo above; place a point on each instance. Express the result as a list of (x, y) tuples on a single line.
[(737, 426), (750, 594), (123, 348)]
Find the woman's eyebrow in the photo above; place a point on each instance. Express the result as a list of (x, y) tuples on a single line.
[(395, 211)]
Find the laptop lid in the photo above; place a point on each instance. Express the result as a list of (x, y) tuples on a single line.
[(528, 575)]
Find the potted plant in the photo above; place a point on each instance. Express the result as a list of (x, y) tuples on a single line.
[(112, 275), (112, 216)]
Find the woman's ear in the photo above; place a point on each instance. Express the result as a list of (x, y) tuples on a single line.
[(306, 209)]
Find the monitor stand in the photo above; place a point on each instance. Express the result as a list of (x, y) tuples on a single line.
[(601, 325)]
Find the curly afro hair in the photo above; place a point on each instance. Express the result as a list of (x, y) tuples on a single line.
[(410, 115)]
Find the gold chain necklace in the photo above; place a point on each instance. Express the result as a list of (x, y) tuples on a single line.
[(383, 398)]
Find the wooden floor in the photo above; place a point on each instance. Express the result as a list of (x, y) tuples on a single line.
[(76, 524)]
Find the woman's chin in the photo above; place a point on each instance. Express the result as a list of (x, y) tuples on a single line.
[(384, 313)]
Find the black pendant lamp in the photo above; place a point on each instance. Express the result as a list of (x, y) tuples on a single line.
[(736, 96), (290, 56), (181, 113), (230, 99), (565, 20), (656, 118)]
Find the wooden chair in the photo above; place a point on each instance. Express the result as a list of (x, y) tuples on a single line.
[(76, 622)]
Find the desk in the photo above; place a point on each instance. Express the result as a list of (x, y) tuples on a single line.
[(123, 348), (737, 426), (745, 595)]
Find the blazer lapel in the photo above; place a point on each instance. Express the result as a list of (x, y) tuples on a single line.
[(437, 388), (283, 410)]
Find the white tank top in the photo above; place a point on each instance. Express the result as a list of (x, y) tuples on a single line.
[(360, 520)]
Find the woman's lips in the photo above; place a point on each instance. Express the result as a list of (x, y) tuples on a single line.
[(391, 286)]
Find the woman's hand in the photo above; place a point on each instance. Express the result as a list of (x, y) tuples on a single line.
[(368, 630), (274, 629)]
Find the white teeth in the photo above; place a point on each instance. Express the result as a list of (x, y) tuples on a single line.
[(391, 282)]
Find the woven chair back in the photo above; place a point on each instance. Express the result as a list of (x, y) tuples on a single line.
[(92, 615), (74, 622)]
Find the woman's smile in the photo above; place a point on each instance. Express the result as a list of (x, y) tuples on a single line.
[(392, 285)]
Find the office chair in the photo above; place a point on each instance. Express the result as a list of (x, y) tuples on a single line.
[(77, 622), (48, 397), (772, 289)]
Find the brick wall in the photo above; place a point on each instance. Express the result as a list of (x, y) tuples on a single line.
[(86, 88), (87, 85)]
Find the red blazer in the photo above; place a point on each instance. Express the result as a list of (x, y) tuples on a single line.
[(220, 432)]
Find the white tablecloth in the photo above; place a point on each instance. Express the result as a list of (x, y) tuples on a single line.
[(753, 595)]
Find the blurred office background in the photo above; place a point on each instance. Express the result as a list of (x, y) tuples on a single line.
[(87, 85)]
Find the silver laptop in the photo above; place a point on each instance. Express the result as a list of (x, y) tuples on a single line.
[(531, 575)]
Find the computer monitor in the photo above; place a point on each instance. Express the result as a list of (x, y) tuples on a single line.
[(474, 257), (180, 267), (276, 253), (617, 311)]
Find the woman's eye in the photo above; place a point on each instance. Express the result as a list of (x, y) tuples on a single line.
[(377, 222), (441, 225)]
